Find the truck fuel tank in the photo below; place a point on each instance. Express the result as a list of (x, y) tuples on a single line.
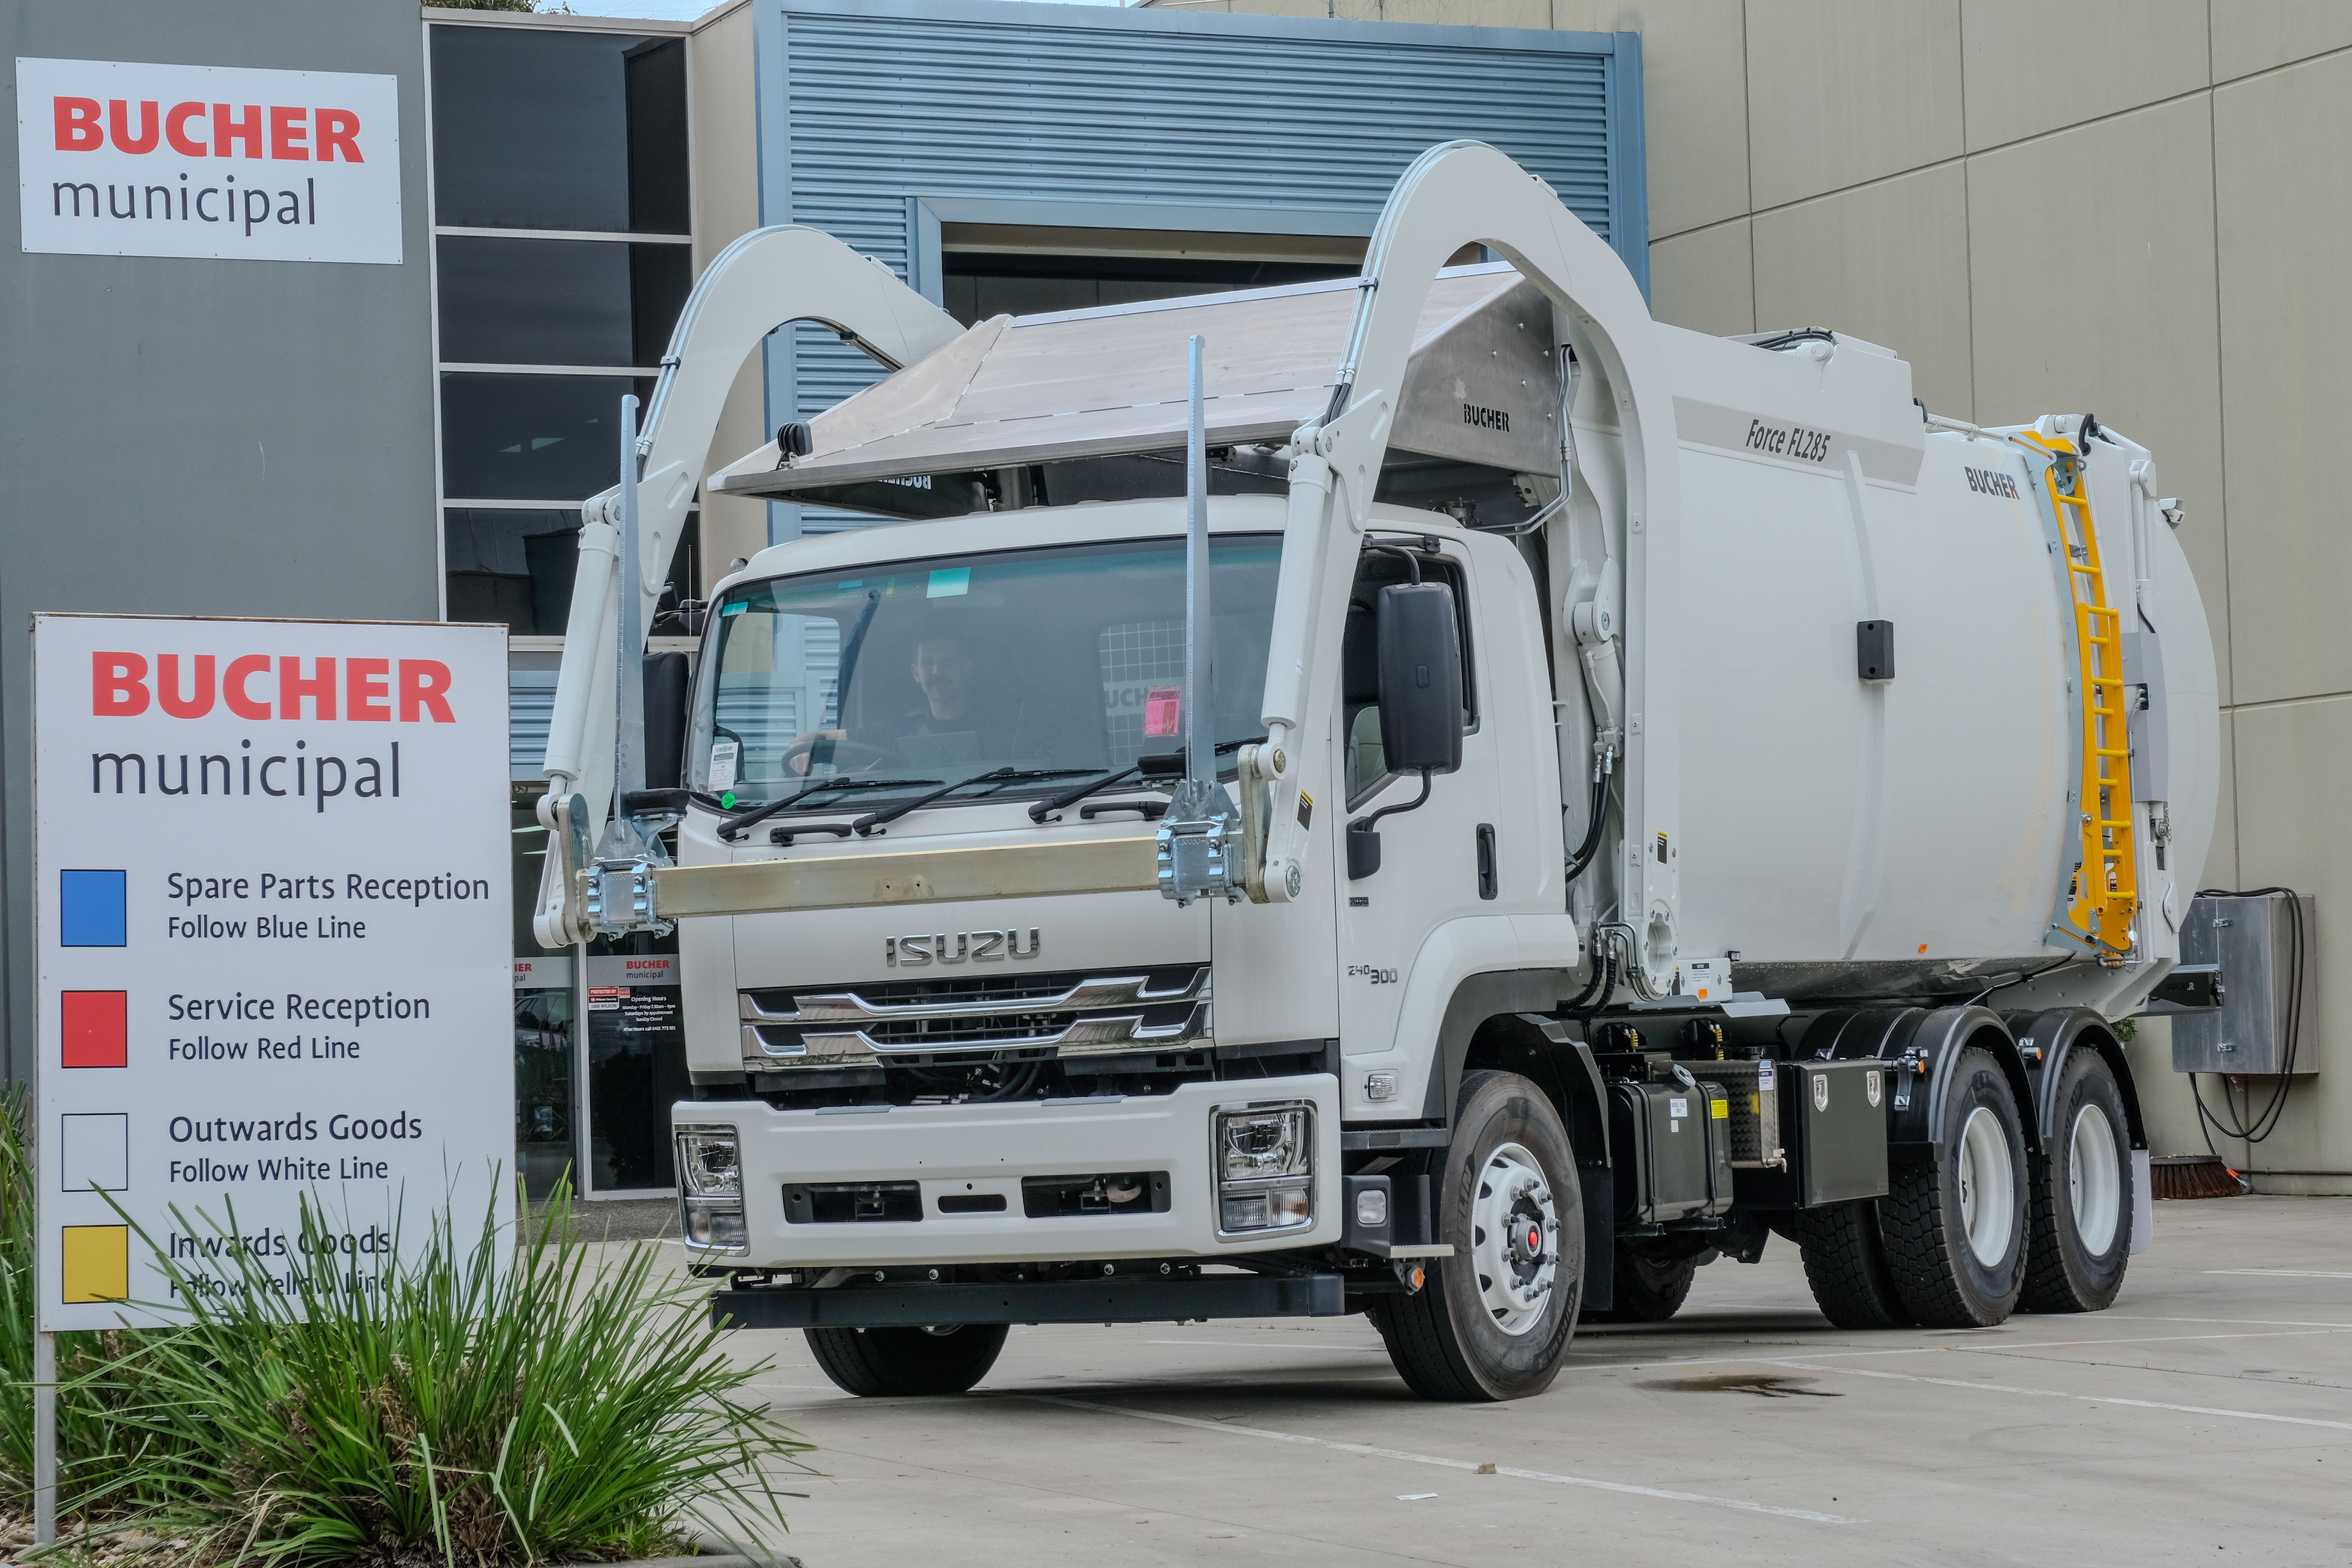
[(1673, 1150)]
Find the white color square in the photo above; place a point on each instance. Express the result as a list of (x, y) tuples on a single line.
[(94, 1152)]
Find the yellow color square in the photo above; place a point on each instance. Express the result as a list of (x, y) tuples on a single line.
[(1720, 1110), (97, 1259)]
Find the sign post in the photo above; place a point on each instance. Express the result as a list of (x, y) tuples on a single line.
[(274, 923)]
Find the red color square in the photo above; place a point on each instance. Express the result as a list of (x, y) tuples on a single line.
[(97, 1029)]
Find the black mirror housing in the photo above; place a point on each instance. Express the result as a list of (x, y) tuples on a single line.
[(1421, 678), (669, 694)]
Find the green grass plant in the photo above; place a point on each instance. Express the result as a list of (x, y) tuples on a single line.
[(459, 1406)]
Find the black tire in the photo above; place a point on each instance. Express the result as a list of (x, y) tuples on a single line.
[(1647, 1290), (2084, 1174), (1445, 1340), (1942, 1278), (1846, 1263), (875, 1363)]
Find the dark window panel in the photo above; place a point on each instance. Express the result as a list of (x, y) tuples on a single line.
[(531, 438), (514, 565), (660, 277), (656, 73), (542, 129), (537, 301), (977, 285)]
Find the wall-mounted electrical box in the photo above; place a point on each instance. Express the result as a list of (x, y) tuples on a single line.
[(2269, 1019)]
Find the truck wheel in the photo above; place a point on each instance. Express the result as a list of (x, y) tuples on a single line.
[(877, 1361), (1647, 1291), (1846, 1263), (1495, 1320), (2082, 1195), (1954, 1223)]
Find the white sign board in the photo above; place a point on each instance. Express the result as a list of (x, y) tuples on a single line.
[(274, 923), (124, 159)]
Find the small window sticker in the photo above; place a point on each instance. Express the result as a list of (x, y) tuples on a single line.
[(948, 582), (1163, 711), (723, 757)]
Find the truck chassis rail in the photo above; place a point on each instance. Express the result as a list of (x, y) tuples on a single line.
[(1054, 1301)]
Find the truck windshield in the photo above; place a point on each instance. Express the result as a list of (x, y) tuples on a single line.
[(1067, 659)]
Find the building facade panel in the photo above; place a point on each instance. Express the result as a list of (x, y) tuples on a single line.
[(2032, 67), (2285, 223), (2096, 293), (1838, 94), (1706, 279)]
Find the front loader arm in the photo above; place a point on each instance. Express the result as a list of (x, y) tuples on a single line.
[(1461, 193), (768, 278)]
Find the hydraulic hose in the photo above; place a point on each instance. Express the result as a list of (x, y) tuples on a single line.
[(1581, 860)]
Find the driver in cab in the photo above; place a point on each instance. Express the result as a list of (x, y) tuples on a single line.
[(951, 724)]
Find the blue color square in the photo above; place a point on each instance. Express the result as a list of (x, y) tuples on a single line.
[(90, 905)]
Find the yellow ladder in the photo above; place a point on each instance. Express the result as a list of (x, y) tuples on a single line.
[(2105, 894)]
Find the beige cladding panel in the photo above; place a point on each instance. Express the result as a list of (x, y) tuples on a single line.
[(1693, 102), (1470, 13), (2091, 271), (2033, 66), (1887, 262), (1703, 281), (2257, 35), (2293, 760), (1840, 93), (2285, 217)]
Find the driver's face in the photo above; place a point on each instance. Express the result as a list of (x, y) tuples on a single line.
[(943, 671)]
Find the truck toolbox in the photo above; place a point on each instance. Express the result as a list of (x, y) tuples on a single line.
[(1833, 1129)]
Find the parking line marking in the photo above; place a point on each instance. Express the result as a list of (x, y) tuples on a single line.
[(1993, 1347), (2059, 1393), (1369, 1451), (2240, 1322), (1261, 1345), (2284, 1273)]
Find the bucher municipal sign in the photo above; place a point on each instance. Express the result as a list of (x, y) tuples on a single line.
[(274, 918), (118, 158)]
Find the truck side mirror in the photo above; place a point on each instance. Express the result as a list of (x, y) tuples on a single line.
[(1421, 678)]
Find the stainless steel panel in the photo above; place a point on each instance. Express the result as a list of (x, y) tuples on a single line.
[(2253, 940)]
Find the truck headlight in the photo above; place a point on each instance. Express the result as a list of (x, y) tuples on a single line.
[(1266, 1167), (710, 1188)]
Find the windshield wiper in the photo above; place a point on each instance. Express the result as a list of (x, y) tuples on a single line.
[(1045, 808), (735, 824), (874, 819)]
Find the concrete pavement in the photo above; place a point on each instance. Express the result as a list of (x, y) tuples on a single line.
[(2206, 1417)]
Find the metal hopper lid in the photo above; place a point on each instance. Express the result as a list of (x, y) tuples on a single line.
[(1481, 387)]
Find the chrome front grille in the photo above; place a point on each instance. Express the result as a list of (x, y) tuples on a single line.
[(1071, 1014)]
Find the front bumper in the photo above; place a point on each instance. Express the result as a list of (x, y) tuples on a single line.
[(978, 1150)]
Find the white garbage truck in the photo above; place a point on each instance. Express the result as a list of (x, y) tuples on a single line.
[(1432, 794)]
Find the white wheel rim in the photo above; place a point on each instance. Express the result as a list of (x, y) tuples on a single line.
[(1988, 1187), (2095, 1180), (1514, 1239)]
